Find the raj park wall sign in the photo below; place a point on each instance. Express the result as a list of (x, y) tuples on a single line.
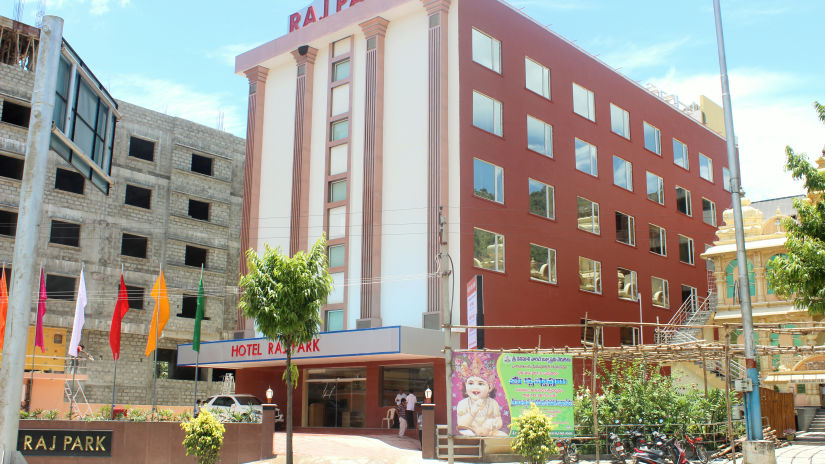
[(489, 389), (78, 443)]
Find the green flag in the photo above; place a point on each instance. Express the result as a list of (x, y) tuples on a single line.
[(196, 337)]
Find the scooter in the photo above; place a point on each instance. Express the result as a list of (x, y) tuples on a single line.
[(567, 450), (616, 447), (664, 451)]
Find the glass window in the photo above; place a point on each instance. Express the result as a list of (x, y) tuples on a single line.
[(680, 154), (542, 199), (337, 191), (627, 284), (653, 139), (583, 102), (622, 173), (590, 275), (629, 336), (588, 215), (486, 51), (709, 212), (619, 121), (539, 136), (685, 249), (337, 255), (339, 130), (487, 113), (538, 78), (336, 296), (683, 201), (660, 292), (488, 181), (337, 222), (658, 240), (625, 228), (340, 100), (341, 47), (655, 188), (542, 263), (726, 179), (338, 159), (586, 158), (416, 378), (340, 70), (488, 250), (334, 320), (705, 168)]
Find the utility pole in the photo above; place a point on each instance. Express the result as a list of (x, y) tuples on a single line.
[(447, 325), (28, 232), (755, 449)]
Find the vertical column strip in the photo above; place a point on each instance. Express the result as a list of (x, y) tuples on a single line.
[(299, 220)]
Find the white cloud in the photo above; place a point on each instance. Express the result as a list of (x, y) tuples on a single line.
[(768, 115), (227, 53), (179, 100), (631, 56)]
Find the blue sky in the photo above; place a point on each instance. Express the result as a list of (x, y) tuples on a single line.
[(177, 57)]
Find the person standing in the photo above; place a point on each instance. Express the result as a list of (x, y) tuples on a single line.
[(401, 396), (411, 401), (400, 413)]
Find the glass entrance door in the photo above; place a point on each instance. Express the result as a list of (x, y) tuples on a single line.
[(336, 397)]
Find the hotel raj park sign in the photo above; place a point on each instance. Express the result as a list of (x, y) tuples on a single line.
[(319, 10)]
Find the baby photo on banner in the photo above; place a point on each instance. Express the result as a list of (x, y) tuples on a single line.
[(489, 389)]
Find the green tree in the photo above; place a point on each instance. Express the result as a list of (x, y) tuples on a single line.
[(800, 274), (533, 441), (285, 295)]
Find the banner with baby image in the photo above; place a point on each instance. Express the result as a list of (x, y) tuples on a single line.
[(489, 389)]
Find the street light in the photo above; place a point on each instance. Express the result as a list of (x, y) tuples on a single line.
[(428, 394), (269, 394)]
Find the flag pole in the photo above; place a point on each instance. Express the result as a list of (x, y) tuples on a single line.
[(157, 344), (75, 360), (34, 345), (198, 355), (114, 378)]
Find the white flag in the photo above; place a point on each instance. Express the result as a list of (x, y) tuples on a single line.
[(79, 315)]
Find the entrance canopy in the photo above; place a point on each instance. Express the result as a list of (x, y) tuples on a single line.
[(376, 344), (796, 377)]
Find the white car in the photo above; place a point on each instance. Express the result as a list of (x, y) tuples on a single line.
[(239, 403)]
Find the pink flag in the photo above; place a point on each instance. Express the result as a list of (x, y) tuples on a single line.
[(41, 311)]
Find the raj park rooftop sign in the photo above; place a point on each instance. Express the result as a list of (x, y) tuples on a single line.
[(319, 10)]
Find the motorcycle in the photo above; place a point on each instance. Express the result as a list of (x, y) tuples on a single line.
[(664, 451), (694, 447), (567, 450), (616, 447)]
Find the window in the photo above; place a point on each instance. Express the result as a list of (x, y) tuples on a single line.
[(134, 295), (685, 249), (16, 114), (622, 173), (539, 136), (537, 77), (341, 47), (91, 122), (619, 121), (658, 240), (705, 168), (709, 212), (653, 139), (61, 101), (625, 229), (683, 201), (487, 113), (689, 297), (590, 275), (195, 256), (8, 223), (338, 159), (60, 287), (629, 335), (680, 154), (542, 199), (340, 100), (655, 188), (138, 196), (198, 210), (800, 388), (337, 191), (589, 333), (188, 306), (584, 103), (627, 284), (69, 181), (201, 164), (336, 296), (732, 279), (11, 167), (65, 233), (660, 292), (726, 179), (133, 245), (488, 181), (340, 70), (486, 51), (142, 149), (337, 222), (334, 320), (339, 130), (588, 215), (586, 158), (542, 263), (337, 255), (488, 250)]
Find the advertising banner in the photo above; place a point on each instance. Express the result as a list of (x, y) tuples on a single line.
[(489, 389)]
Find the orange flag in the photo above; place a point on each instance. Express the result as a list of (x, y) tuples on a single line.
[(4, 306), (160, 316)]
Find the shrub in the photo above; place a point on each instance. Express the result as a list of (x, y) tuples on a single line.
[(51, 414), (24, 414), (533, 441), (105, 412), (136, 415), (35, 414), (166, 415), (204, 437)]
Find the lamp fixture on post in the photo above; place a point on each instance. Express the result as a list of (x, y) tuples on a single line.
[(269, 394), (428, 394)]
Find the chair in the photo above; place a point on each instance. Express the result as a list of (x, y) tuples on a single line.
[(389, 418)]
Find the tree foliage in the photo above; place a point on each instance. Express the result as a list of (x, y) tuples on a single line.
[(800, 274), (533, 441), (204, 437)]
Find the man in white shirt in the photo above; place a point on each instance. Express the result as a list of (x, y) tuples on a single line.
[(411, 400), (400, 396)]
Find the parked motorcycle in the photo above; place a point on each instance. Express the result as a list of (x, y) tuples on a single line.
[(567, 450), (664, 450), (616, 447)]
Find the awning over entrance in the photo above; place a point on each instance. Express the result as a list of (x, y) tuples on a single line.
[(378, 344), (796, 377)]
